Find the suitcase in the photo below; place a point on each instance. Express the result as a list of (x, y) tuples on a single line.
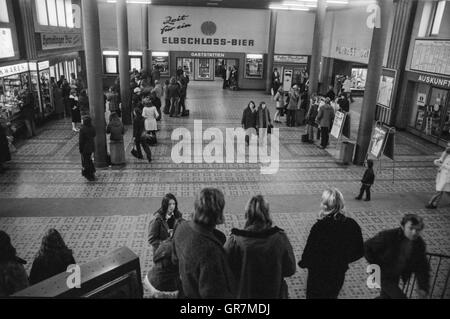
[(305, 138), (185, 113)]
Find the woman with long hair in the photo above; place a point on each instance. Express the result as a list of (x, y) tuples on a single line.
[(52, 258), (334, 241), (162, 224), (13, 276), (260, 255)]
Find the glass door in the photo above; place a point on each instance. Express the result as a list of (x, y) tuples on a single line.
[(204, 69), (186, 64), (436, 112)]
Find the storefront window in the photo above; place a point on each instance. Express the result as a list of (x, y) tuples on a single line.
[(111, 65), (161, 59), (3, 12), (186, 64), (254, 66), (136, 63)]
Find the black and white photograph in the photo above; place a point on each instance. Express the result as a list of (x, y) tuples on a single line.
[(224, 154)]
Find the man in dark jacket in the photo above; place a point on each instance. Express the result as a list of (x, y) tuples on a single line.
[(87, 147), (400, 252), (198, 250), (367, 181)]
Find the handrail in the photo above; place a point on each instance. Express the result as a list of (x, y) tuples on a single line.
[(408, 287)]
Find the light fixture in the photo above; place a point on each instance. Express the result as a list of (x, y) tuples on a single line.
[(294, 8), (131, 53), (254, 56), (132, 1), (160, 53), (212, 3), (337, 1)]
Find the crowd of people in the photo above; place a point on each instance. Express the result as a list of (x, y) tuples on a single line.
[(316, 111), (193, 259), (147, 93)]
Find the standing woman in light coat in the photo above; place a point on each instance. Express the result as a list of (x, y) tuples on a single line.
[(442, 178), (150, 114)]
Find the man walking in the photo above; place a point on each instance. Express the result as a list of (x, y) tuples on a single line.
[(400, 252)]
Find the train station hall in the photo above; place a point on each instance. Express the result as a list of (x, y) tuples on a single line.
[(225, 149)]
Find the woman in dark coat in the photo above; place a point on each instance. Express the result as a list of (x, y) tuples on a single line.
[(5, 155), (138, 129), (333, 242), (162, 224), (13, 276), (249, 120), (260, 255), (53, 257), (87, 147), (163, 279), (75, 109)]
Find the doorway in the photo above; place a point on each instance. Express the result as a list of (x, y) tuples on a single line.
[(205, 69)]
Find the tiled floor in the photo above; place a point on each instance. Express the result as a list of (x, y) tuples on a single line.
[(43, 188)]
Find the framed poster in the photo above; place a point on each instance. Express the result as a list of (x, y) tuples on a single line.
[(254, 66), (386, 87), (338, 123), (377, 141)]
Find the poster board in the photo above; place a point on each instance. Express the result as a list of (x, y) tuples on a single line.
[(338, 123), (386, 87), (431, 56), (377, 141)]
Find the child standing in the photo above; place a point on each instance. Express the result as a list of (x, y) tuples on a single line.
[(367, 181)]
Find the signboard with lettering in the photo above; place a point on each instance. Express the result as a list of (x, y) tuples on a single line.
[(377, 141), (434, 80), (60, 40), (338, 123), (6, 41), (43, 65), (13, 69), (303, 59), (207, 55), (204, 29), (431, 56)]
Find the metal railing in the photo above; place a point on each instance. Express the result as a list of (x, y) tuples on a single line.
[(440, 269)]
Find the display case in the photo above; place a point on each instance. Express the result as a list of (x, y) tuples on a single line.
[(47, 108), (9, 91), (254, 66)]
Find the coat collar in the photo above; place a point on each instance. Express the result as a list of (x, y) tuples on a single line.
[(204, 231), (256, 234)]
